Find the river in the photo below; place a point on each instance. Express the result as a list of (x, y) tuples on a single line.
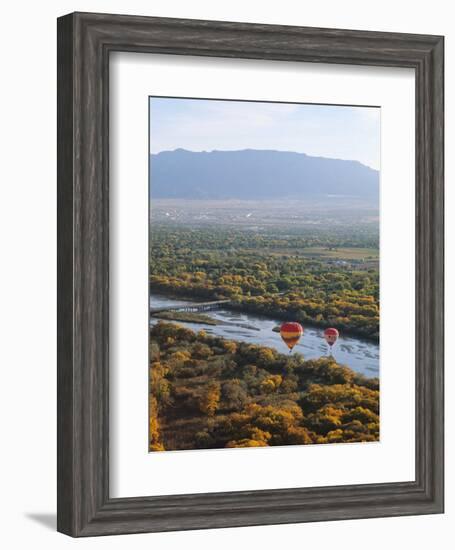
[(360, 355)]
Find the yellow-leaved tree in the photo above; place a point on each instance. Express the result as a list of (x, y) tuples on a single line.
[(210, 399)]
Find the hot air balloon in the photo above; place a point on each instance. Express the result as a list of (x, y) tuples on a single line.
[(291, 334), (331, 336)]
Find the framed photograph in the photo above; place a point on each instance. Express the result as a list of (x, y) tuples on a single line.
[(250, 274)]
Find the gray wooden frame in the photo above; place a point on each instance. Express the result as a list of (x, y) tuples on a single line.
[(84, 43)]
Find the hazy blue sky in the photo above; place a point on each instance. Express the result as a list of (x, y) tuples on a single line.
[(321, 130)]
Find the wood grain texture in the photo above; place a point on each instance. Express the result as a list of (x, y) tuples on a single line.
[(84, 44)]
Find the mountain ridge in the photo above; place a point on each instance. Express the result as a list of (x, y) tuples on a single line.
[(258, 174)]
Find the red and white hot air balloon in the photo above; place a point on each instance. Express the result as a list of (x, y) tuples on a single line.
[(331, 336), (291, 334)]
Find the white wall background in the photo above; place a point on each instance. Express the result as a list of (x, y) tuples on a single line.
[(28, 271)]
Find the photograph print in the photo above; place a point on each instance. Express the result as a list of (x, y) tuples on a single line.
[(263, 274)]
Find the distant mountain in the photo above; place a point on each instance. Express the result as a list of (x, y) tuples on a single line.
[(256, 174)]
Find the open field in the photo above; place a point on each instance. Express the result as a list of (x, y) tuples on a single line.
[(341, 253), (320, 252)]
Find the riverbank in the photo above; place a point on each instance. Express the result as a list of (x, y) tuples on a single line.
[(186, 317), (201, 318), (263, 311), (360, 355)]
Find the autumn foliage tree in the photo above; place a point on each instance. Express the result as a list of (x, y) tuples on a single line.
[(210, 399)]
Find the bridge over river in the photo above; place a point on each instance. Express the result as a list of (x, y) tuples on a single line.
[(194, 307)]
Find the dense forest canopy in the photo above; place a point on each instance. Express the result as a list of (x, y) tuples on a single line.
[(209, 392), (321, 276)]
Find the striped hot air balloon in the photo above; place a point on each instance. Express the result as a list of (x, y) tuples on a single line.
[(291, 333), (331, 335)]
